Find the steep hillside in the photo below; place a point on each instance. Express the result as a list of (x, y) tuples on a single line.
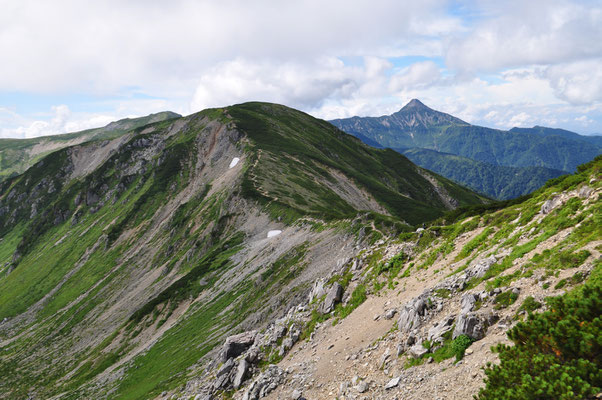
[(417, 126), (17, 155), (544, 131), (415, 316), (496, 181), (125, 262)]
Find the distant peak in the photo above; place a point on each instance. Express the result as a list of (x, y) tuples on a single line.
[(415, 104)]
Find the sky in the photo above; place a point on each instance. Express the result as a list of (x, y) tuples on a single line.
[(68, 65)]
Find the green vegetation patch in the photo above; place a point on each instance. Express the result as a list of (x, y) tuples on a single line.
[(555, 355)]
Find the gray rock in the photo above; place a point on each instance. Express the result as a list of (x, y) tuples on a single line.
[(265, 383), (549, 205), (237, 344), (393, 383), (481, 267), (296, 395), (409, 316), (361, 387), (473, 325), (333, 296), (439, 329), (390, 313), (241, 373), (417, 350), (317, 291), (222, 376), (584, 192), (468, 303)]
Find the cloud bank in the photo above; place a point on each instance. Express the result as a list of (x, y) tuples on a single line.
[(494, 63)]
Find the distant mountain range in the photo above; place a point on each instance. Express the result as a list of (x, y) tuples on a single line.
[(17, 155), (496, 162)]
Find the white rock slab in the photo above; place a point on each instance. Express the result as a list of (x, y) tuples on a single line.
[(273, 233)]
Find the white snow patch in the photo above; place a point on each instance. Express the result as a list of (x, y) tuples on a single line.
[(234, 161), (274, 233)]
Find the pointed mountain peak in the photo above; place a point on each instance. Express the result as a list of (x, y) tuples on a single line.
[(415, 105)]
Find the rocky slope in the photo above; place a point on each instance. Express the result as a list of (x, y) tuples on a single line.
[(124, 263), (415, 316), (17, 155)]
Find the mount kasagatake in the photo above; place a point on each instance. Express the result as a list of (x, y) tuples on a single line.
[(500, 164), (254, 251)]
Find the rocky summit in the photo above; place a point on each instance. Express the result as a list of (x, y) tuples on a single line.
[(255, 252)]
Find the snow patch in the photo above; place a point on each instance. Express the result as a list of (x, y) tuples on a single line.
[(274, 233), (234, 161)]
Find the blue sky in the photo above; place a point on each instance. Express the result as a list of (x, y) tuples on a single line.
[(69, 66)]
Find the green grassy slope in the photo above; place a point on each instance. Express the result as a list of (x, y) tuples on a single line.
[(293, 141), (91, 268), (493, 180)]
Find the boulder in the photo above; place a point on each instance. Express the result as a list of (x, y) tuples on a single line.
[(237, 344), (474, 325), (550, 205), (333, 296), (409, 316), (439, 329), (222, 376), (468, 303), (393, 383), (417, 350), (241, 373)]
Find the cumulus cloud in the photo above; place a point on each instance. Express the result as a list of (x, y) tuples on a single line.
[(61, 122), (517, 33), (501, 58), (578, 82), (108, 45), (327, 87)]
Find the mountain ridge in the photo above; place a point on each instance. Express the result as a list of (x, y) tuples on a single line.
[(179, 233), (17, 155), (419, 127)]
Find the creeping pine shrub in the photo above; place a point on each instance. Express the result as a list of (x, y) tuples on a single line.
[(460, 344), (557, 355)]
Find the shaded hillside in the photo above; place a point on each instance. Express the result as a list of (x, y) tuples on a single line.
[(16, 155), (495, 181), (173, 235)]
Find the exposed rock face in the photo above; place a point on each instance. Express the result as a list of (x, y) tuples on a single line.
[(441, 328), (317, 291), (333, 296), (552, 204), (410, 315), (237, 344), (265, 383), (473, 325), (241, 373)]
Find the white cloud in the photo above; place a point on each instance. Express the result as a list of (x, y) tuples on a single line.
[(62, 121), (579, 82), (162, 46), (520, 33), (501, 58), (418, 75)]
